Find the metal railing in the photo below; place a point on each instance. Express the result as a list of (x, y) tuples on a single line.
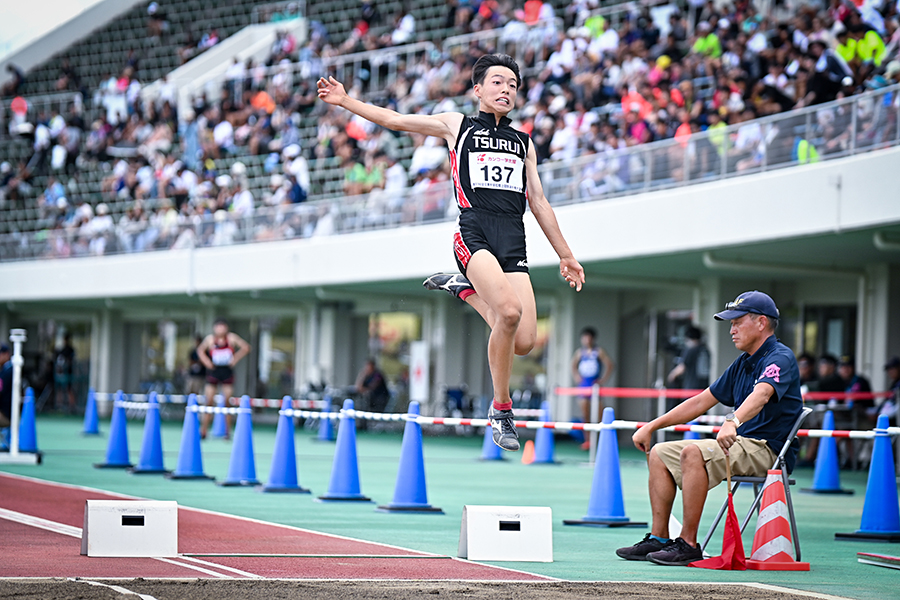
[(842, 128)]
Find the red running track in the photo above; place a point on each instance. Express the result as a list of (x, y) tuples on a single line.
[(31, 551)]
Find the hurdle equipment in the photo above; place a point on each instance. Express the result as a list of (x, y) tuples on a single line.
[(283, 472), (190, 459), (826, 478), (410, 492), (606, 506), (151, 458), (344, 485), (242, 465), (506, 533), (881, 513), (220, 424), (117, 446), (773, 549), (28, 425), (544, 444), (490, 450), (91, 420), (129, 528), (326, 427)]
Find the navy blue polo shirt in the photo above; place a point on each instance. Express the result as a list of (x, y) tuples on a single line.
[(773, 363)]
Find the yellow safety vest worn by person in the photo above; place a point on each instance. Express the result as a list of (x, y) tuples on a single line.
[(871, 48), (708, 46), (847, 51), (806, 153), (717, 136)]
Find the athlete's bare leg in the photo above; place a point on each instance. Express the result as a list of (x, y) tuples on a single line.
[(227, 391), (210, 393), (504, 313), (526, 332)]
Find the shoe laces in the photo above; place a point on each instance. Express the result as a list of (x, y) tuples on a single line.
[(506, 420)]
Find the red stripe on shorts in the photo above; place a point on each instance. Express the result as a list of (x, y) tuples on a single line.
[(462, 252)]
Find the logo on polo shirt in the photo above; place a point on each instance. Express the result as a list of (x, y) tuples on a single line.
[(773, 371)]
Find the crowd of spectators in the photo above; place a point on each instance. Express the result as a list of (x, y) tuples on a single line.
[(594, 86)]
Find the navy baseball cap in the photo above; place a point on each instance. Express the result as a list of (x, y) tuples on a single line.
[(749, 302), (4, 348)]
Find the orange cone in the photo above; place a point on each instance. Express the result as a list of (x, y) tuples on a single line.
[(773, 549), (528, 453)]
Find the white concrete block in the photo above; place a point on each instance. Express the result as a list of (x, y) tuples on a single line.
[(506, 533), (130, 528)]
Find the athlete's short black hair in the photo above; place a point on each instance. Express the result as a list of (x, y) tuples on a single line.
[(479, 71), (589, 331), (220, 322)]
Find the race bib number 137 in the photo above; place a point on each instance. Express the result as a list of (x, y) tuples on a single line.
[(496, 171)]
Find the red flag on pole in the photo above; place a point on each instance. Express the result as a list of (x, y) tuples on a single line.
[(732, 558)]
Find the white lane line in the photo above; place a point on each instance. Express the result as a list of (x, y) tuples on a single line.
[(222, 567), (17, 517), (61, 528), (173, 561), (115, 588)]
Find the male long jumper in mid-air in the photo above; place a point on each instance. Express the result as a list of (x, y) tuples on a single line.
[(494, 170)]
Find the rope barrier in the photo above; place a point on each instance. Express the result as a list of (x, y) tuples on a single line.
[(716, 420), (618, 424), (683, 394)]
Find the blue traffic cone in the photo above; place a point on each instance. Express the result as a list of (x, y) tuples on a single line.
[(881, 511), (826, 478), (27, 426), (219, 424), (91, 421), (326, 427), (344, 485), (283, 473), (151, 459), (692, 435), (606, 505), (544, 444), (242, 467), (490, 450), (117, 446), (410, 494), (190, 459)]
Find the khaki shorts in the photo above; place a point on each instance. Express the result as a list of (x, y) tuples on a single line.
[(749, 457)]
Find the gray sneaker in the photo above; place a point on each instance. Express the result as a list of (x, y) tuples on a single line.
[(504, 425), (677, 553), (452, 283), (640, 550)]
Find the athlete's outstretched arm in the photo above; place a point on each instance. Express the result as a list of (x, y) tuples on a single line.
[(569, 268), (444, 125)]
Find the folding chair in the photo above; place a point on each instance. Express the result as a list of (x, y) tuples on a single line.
[(758, 491)]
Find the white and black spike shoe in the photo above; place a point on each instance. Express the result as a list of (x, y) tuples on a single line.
[(452, 283)]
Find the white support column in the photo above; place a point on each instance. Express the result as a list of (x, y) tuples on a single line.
[(107, 358), (448, 342), (560, 346), (327, 323), (872, 339), (301, 329), (709, 302)]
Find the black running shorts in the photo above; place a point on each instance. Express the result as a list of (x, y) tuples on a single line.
[(501, 235)]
